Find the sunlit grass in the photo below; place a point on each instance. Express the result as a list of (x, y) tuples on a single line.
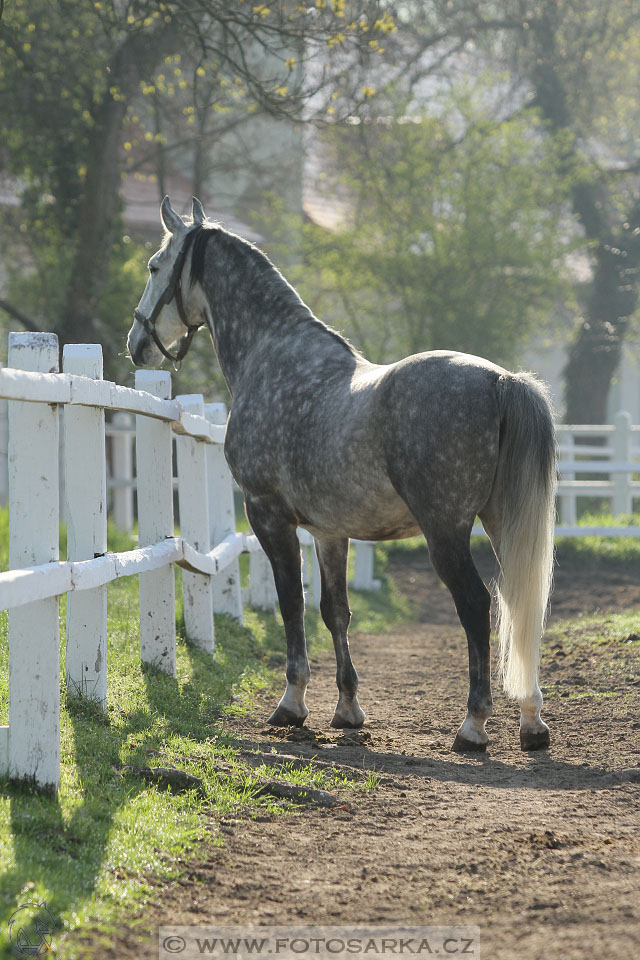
[(597, 629), (584, 549), (109, 833), (606, 549)]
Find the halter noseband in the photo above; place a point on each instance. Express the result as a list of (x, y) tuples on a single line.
[(173, 289)]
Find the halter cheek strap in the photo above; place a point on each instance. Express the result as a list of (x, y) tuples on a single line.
[(173, 289)]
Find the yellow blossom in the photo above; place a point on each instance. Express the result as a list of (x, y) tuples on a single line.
[(385, 24)]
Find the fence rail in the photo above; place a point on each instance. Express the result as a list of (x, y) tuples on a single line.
[(617, 455)]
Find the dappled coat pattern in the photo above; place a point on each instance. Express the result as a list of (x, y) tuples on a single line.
[(321, 438)]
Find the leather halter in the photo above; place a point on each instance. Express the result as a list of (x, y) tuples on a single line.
[(173, 289)]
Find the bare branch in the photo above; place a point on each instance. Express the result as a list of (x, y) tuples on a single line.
[(23, 320)]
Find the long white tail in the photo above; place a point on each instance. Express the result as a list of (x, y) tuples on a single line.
[(526, 480)]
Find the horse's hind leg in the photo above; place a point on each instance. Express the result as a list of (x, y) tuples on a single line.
[(279, 541), (452, 561), (534, 732), (334, 607)]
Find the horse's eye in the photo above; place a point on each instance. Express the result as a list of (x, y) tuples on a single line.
[(153, 268)]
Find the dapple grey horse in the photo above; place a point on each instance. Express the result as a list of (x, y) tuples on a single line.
[(321, 438)]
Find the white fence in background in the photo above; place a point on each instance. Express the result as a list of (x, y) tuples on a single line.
[(603, 468), (207, 549), (614, 461)]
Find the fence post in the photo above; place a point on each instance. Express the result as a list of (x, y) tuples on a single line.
[(568, 508), (85, 501), (4, 458), (34, 641), (262, 588), (193, 505), (154, 461), (122, 465), (622, 451), (316, 581), (363, 567), (227, 593)]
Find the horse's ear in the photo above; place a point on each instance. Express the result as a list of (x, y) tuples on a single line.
[(197, 212), (172, 222)]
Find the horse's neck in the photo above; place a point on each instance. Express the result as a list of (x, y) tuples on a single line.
[(265, 323)]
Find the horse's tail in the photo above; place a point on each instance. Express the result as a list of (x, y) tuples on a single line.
[(525, 484)]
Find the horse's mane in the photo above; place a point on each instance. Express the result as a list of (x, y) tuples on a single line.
[(262, 266)]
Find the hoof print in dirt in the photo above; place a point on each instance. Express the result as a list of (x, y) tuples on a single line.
[(534, 741), (281, 717), (462, 745)]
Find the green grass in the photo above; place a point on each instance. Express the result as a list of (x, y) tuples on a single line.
[(601, 549), (604, 647), (615, 630), (614, 550), (95, 851), (97, 846)]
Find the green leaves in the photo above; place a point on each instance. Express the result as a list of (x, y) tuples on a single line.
[(451, 238)]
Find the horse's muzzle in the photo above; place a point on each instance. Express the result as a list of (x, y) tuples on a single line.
[(141, 319), (136, 342)]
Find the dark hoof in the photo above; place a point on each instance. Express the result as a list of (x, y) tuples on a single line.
[(534, 741), (281, 717), (462, 745), (348, 715), (346, 723)]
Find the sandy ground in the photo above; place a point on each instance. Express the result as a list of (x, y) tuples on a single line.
[(541, 851)]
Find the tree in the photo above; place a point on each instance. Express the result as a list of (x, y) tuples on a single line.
[(451, 238), (70, 74), (579, 105), (576, 61)]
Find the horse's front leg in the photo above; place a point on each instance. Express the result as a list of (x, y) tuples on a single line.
[(334, 607), (278, 538)]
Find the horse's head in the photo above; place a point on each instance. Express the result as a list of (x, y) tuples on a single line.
[(163, 317)]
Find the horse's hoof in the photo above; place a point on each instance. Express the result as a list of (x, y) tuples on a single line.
[(351, 719), (534, 740), (462, 745), (283, 717), (346, 723)]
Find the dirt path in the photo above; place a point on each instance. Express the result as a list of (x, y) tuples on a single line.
[(542, 851)]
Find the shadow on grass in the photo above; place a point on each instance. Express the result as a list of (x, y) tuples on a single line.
[(92, 848)]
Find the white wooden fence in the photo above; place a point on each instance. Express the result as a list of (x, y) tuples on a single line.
[(615, 460), (207, 549)]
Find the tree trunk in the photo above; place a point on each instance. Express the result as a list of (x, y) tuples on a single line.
[(595, 353), (135, 60)]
